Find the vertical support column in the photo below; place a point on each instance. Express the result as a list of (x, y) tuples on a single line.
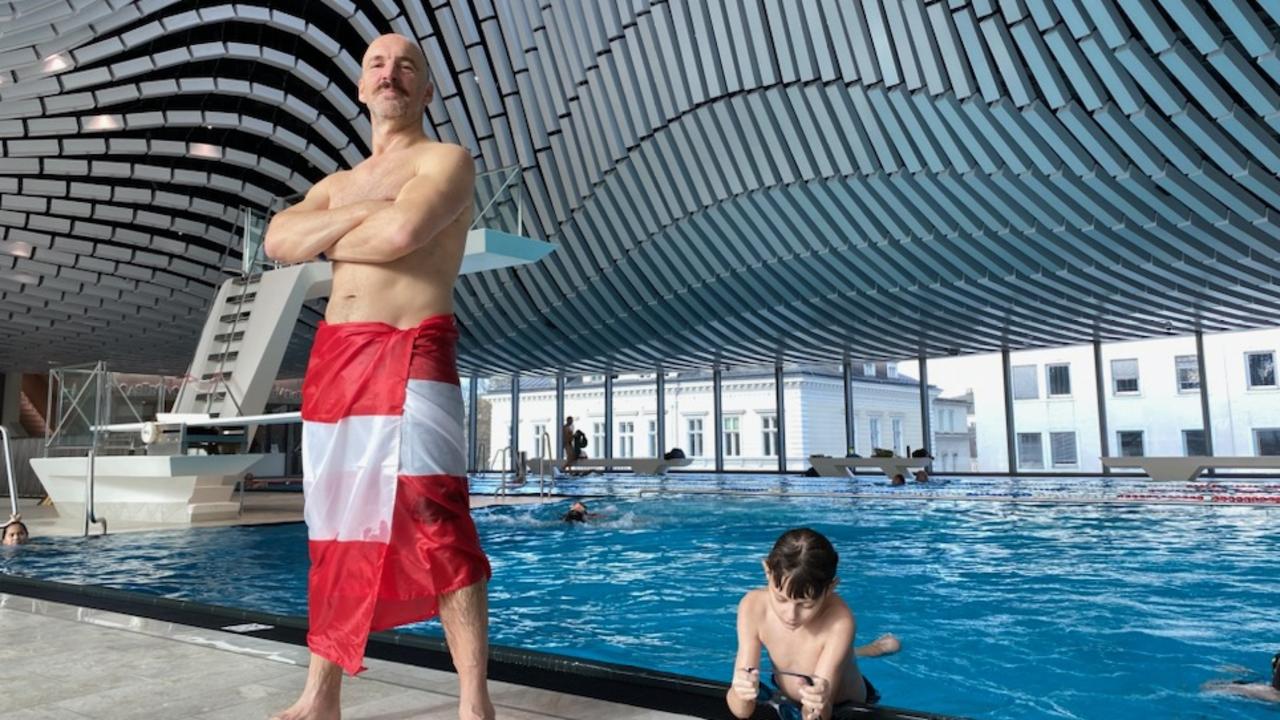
[(780, 392), (1100, 388), (850, 431), (10, 406), (515, 420), (717, 421), (926, 417), (660, 389), (1011, 445), (473, 424), (1204, 396), (557, 435), (608, 414)]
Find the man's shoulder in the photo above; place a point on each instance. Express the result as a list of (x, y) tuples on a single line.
[(437, 151)]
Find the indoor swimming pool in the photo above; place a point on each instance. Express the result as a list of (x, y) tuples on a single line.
[(1005, 610)]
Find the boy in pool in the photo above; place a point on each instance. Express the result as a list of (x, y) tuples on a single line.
[(808, 630), (14, 532)]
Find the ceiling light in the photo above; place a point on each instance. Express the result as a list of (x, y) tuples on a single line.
[(17, 248), (24, 278), (103, 122), (204, 150), (57, 62)]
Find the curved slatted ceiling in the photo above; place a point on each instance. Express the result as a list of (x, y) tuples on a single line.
[(736, 181)]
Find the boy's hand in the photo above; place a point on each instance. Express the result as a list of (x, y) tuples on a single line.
[(813, 698), (746, 683)]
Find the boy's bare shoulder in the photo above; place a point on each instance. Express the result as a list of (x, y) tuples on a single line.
[(839, 615), (753, 600)]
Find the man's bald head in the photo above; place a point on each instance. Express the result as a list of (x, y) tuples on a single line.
[(394, 79)]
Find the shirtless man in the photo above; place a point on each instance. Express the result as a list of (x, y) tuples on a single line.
[(382, 379), (1252, 690), (566, 442), (808, 631)]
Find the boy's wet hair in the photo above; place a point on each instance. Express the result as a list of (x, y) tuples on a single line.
[(802, 563)]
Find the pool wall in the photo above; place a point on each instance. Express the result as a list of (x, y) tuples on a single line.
[(624, 684)]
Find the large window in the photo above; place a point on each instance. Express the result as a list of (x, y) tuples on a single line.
[(873, 429), (1130, 443), (1261, 368), (1124, 377), (694, 426), (540, 446), (733, 436), (653, 438), (897, 435), (1062, 449), (769, 435), (1188, 371), (597, 439), (1030, 451), (626, 439), (1058, 379), (1024, 382), (1193, 443), (869, 369), (1266, 441)]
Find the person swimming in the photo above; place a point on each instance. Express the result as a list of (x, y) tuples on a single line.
[(577, 513), (1252, 690)]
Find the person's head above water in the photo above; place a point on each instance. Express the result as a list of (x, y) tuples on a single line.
[(578, 506), (14, 533), (801, 570), (898, 480), (394, 82)]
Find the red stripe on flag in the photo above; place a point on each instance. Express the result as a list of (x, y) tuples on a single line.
[(434, 550), (356, 369), (435, 351)]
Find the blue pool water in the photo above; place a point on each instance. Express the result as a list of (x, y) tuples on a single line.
[(1005, 610)]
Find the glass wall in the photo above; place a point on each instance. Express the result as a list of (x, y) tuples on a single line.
[(1055, 410), (968, 414), (1152, 393), (635, 415), (538, 432), (749, 430), (584, 402)]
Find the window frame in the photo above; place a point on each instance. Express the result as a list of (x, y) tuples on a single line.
[(1039, 436), (1142, 438), (1075, 450), (1013, 382), (1248, 370), (1048, 380), (1137, 378), (1177, 373), (1257, 445)]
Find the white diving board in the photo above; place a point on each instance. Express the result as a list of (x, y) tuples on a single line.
[(1186, 469), (890, 466)]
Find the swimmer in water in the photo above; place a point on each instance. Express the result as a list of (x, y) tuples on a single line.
[(1252, 690)]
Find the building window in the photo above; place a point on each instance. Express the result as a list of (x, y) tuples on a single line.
[(1058, 380), (769, 425), (891, 370), (1030, 451), (1266, 441), (695, 437), (1124, 377), (873, 429), (897, 435), (539, 437), (1262, 369), (732, 436), (626, 439), (1130, 443), (1062, 449), (1024, 382), (597, 432), (653, 438), (1193, 443), (1188, 371), (869, 369)]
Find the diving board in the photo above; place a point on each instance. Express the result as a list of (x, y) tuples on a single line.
[(1188, 468)]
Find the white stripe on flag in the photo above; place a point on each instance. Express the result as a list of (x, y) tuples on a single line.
[(431, 440), (349, 473)]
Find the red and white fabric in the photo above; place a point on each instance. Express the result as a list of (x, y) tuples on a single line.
[(384, 477)]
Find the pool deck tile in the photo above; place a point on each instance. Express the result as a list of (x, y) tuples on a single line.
[(66, 662)]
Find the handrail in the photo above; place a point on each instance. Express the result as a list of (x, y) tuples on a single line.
[(8, 466), (516, 172), (544, 462), (502, 486), (90, 516), (269, 419)]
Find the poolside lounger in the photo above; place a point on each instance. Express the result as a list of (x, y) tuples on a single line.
[(1186, 469), (640, 466), (890, 466)]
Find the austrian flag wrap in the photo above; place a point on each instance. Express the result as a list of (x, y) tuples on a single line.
[(384, 477)]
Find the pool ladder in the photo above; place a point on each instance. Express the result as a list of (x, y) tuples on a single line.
[(546, 469)]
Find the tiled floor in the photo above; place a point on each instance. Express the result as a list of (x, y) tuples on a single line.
[(70, 663)]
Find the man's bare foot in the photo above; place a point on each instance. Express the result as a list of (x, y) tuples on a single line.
[(306, 709), (476, 711), (322, 697)]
